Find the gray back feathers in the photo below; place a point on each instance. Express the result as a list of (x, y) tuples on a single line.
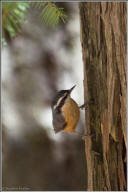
[(59, 122)]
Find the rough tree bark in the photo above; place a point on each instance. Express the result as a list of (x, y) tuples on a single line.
[(103, 40)]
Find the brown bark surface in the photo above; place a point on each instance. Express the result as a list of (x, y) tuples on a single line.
[(103, 40)]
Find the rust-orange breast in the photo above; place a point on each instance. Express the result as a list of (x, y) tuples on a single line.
[(71, 114)]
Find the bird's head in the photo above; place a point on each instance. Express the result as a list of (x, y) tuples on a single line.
[(61, 97)]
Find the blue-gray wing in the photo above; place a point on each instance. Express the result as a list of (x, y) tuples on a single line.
[(59, 122)]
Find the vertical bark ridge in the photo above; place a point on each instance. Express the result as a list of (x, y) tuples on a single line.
[(103, 40)]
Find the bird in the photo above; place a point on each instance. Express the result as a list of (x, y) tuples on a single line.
[(65, 111)]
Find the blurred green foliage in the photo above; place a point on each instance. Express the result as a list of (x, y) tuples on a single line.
[(50, 13), (13, 14)]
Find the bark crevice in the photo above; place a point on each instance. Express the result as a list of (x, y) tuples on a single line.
[(103, 40)]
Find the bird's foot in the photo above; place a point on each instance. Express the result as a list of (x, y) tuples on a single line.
[(96, 153), (85, 105), (87, 135)]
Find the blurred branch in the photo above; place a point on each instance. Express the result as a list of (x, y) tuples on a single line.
[(13, 14), (50, 14)]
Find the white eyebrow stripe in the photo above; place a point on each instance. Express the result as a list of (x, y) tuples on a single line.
[(58, 102)]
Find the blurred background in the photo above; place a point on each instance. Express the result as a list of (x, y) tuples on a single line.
[(36, 63)]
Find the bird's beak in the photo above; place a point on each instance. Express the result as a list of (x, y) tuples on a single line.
[(70, 90)]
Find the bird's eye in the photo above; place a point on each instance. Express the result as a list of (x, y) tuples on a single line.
[(65, 94)]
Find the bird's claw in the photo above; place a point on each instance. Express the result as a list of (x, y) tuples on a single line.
[(87, 135), (85, 105)]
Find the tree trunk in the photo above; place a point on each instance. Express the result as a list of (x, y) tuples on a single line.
[(103, 40)]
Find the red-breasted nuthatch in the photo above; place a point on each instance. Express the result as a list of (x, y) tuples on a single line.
[(65, 111)]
